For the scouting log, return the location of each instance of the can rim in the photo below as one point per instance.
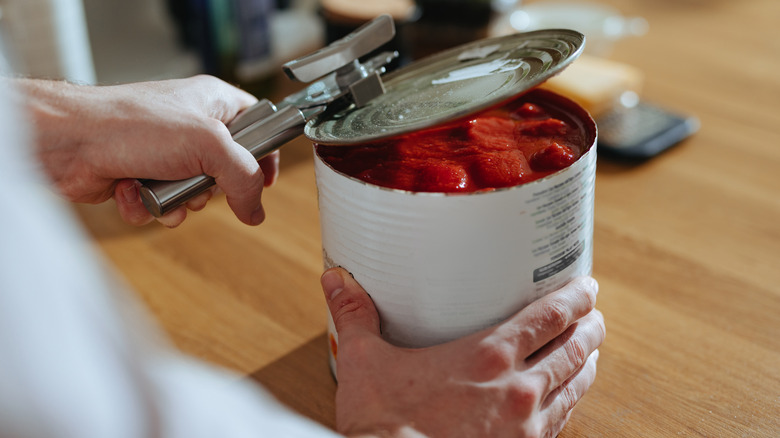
(451, 84)
(578, 113)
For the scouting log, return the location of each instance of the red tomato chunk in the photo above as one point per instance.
(513, 144)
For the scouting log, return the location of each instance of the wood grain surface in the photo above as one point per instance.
(687, 251)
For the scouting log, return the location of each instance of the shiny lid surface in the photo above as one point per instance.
(450, 85)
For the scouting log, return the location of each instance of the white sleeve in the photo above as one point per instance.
(78, 358)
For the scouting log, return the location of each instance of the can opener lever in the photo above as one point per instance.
(340, 79)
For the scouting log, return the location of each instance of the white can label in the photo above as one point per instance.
(439, 266)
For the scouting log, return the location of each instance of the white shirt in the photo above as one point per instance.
(78, 356)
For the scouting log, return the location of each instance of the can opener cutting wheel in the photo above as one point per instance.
(341, 81)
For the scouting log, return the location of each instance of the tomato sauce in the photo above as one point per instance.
(521, 141)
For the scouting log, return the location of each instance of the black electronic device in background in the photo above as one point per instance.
(642, 131)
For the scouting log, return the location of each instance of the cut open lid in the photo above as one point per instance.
(451, 84)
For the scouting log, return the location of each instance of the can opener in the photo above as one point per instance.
(341, 80)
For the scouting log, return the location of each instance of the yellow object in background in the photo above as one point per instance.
(597, 84)
(360, 11)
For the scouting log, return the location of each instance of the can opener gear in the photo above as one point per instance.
(341, 80)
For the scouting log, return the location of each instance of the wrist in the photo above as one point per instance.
(53, 108)
(62, 130)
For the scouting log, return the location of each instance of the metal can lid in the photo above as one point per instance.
(451, 84)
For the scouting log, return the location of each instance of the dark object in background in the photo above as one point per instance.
(642, 131)
(183, 13)
(448, 23)
(231, 37)
(341, 17)
(423, 28)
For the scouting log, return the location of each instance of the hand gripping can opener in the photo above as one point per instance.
(341, 81)
(349, 104)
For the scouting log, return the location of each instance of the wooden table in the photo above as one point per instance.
(687, 251)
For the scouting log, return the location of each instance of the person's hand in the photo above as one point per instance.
(95, 142)
(520, 378)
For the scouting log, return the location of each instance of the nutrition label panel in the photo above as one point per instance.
(562, 215)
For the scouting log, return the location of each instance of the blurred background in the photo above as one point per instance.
(246, 41)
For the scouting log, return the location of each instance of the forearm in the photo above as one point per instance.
(60, 128)
(50, 107)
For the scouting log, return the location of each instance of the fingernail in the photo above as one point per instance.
(332, 283)
(130, 193)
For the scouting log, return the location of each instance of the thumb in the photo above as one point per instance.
(350, 306)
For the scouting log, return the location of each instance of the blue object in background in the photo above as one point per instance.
(225, 33)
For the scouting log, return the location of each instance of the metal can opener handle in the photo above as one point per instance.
(263, 128)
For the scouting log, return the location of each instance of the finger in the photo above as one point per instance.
(556, 428)
(240, 176)
(350, 306)
(558, 405)
(173, 218)
(545, 319)
(270, 168)
(199, 202)
(128, 203)
(557, 361)
(243, 187)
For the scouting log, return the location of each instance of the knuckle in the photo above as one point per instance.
(589, 296)
(593, 327)
(576, 352)
(209, 137)
(493, 359)
(557, 314)
(568, 398)
(215, 132)
(523, 396)
(249, 179)
(205, 80)
(347, 310)
(585, 290)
